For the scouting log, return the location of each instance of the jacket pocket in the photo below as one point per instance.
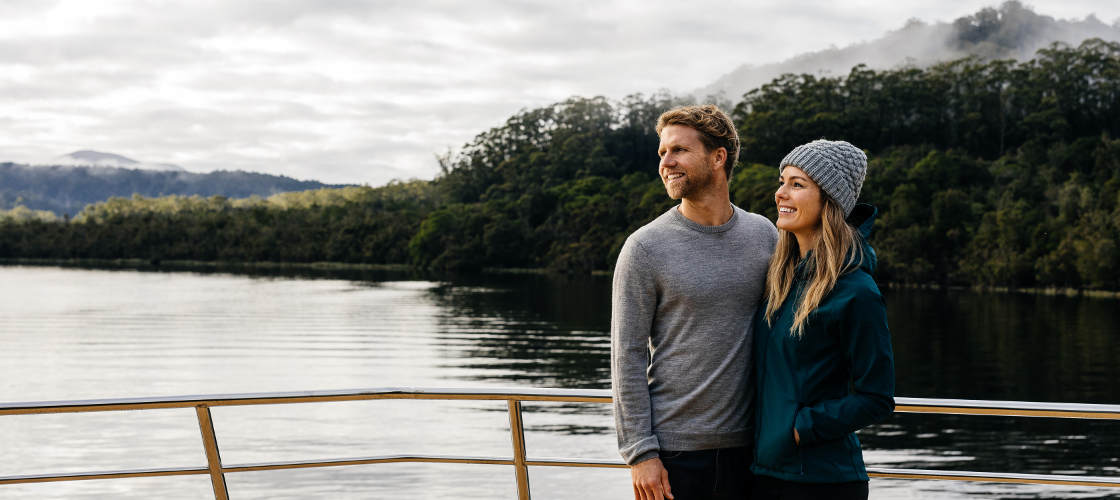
(776, 449)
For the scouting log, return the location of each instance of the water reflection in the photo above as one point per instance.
(960, 344)
(530, 329)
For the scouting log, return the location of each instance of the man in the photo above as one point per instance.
(685, 289)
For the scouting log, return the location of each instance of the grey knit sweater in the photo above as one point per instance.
(682, 302)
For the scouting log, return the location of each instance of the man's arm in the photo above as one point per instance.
(633, 305)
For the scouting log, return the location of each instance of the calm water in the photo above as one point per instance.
(83, 334)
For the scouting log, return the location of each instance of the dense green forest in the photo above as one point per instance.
(986, 173)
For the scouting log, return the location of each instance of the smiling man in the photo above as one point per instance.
(686, 286)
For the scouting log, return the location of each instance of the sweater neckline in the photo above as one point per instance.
(696, 226)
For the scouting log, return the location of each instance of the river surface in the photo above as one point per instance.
(69, 333)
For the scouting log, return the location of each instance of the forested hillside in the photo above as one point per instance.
(986, 172)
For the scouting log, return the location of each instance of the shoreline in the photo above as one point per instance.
(198, 265)
(208, 265)
(1044, 291)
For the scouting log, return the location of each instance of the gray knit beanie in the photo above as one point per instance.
(836, 166)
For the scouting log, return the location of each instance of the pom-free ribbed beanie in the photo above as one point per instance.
(836, 166)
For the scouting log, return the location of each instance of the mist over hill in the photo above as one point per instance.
(1011, 31)
(66, 189)
(89, 158)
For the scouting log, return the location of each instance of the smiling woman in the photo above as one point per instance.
(824, 366)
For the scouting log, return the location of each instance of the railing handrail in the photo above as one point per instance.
(902, 404)
(514, 397)
(266, 398)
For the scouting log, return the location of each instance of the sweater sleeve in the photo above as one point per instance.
(633, 304)
(871, 397)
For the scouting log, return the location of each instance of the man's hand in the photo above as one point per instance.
(796, 437)
(651, 480)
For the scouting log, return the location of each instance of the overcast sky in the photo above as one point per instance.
(348, 91)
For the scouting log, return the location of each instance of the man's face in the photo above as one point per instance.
(687, 167)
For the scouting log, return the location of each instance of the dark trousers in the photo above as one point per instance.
(719, 474)
(768, 488)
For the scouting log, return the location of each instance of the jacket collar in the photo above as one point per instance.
(863, 219)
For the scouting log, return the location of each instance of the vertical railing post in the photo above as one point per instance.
(517, 433)
(213, 458)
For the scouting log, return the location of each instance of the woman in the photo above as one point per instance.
(823, 361)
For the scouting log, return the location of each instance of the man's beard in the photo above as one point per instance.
(689, 187)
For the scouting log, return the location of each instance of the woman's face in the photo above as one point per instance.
(800, 203)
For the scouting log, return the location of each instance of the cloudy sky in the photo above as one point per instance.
(349, 91)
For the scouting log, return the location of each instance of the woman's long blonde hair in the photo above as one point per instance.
(837, 251)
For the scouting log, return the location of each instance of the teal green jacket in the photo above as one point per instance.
(835, 379)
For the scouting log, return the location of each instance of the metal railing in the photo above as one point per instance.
(520, 462)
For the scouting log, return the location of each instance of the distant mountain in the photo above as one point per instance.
(65, 189)
(1011, 31)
